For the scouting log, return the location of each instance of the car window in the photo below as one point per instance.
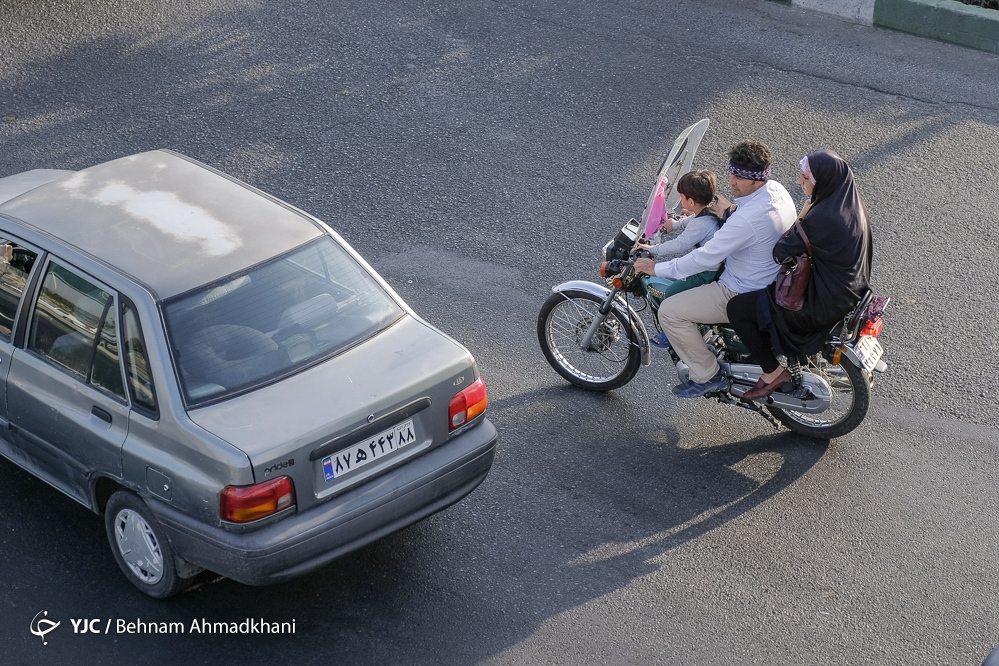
(75, 327)
(274, 319)
(310, 260)
(13, 277)
(106, 373)
(140, 379)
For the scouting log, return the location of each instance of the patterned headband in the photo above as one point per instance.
(749, 174)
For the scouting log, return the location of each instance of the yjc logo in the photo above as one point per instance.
(40, 627)
(83, 626)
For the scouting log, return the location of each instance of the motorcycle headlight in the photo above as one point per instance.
(606, 249)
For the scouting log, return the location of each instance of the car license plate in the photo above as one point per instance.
(869, 352)
(369, 450)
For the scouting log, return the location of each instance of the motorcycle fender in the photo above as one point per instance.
(851, 354)
(619, 304)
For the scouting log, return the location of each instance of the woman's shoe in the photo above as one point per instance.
(766, 389)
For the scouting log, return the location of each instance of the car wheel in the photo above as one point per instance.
(140, 547)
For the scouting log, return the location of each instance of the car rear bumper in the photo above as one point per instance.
(302, 543)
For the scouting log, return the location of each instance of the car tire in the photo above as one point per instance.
(140, 546)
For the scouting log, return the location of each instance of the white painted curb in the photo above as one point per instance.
(857, 11)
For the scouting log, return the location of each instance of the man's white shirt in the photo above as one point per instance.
(745, 242)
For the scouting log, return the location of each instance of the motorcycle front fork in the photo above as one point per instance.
(587, 341)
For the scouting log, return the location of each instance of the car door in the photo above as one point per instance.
(65, 391)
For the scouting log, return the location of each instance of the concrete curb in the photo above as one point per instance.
(944, 20)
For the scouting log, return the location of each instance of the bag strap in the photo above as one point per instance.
(804, 237)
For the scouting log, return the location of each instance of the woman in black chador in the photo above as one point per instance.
(836, 225)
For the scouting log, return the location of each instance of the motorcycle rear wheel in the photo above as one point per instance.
(615, 357)
(851, 397)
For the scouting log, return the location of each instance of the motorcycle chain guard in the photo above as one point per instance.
(814, 396)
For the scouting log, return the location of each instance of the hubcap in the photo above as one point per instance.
(138, 546)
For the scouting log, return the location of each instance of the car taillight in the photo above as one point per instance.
(244, 504)
(467, 404)
(872, 328)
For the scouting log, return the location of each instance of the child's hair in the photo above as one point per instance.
(698, 185)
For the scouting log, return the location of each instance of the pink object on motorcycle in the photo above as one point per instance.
(657, 211)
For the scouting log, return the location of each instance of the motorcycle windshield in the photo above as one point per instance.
(664, 198)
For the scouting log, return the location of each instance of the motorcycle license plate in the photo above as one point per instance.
(869, 351)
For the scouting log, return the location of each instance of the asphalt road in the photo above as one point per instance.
(478, 153)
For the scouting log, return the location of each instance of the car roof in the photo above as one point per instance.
(18, 184)
(166, 220)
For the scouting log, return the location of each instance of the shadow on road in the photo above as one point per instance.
(549, 531)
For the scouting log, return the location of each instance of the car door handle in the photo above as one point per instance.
(103, 415)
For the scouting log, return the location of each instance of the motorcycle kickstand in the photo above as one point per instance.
(726, 398)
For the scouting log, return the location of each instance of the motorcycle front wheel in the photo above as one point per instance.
(614, 355)
(851, 396)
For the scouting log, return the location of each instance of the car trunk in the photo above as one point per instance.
(351, 417)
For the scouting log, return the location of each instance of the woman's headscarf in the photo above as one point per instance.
(833, 186)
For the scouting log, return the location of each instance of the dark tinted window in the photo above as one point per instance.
(106, 373)
(74, 325)
(293, 311)
(140, 378)
(15, 266)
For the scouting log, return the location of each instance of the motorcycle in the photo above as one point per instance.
(594, 338)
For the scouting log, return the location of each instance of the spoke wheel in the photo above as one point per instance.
(141, 549)
(851, 397)
(614, 356)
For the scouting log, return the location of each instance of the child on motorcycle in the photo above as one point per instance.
(705, 211)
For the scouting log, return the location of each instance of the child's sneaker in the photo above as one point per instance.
(659, 340)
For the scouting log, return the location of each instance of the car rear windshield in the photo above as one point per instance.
(273, 320)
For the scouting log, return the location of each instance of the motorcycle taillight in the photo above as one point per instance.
(872, 327)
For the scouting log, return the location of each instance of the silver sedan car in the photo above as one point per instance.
(220, 374)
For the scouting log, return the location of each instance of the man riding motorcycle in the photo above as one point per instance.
(745, 243)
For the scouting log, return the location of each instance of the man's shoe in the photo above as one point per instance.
(763, 391)
(660, 340)
(696, 390)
